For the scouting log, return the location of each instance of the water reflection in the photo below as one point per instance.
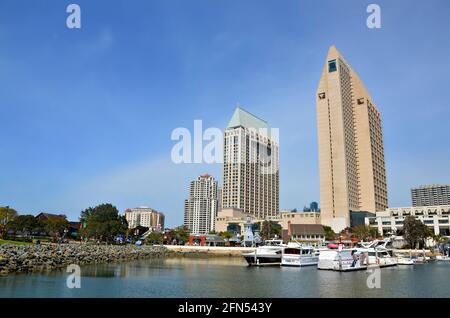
(227, 277)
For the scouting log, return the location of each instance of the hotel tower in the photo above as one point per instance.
(250, 166)
(350, 142)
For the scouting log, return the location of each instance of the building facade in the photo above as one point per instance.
(250, 166)
(235, 220)
(434, 194)
(146, 217)
(391, 220)
(200, 209)
(312, 234)
(350, 142)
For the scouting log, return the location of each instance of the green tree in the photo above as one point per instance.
(6, 215)
(362, 232)
(55, 226)
(181, 234)
(330, 235)
(226, 235)
(26, 224)
(155, 237)
(269, 229)
(414, 231)
(373, 231)
(103, 223)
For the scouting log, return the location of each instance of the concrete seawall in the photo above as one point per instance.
(210, 250)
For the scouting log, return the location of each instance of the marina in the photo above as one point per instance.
(337, 257)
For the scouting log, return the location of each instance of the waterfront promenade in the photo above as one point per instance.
(210, 250)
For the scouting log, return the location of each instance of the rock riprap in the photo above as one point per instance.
(35, 258)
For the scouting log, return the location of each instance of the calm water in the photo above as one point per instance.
(227, 277)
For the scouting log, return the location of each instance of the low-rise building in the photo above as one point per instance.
(304, 233)
(42, 217)
(391, 220)
(234, 220)
(298, 218)
(146, 217)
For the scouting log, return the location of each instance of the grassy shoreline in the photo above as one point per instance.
(10, 242)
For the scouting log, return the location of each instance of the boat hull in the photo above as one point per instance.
(297, 261)
(262, 260)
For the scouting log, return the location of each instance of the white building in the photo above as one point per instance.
(200, 209)
(250, 166)
(146, 217)
(391, 220)
(432, 194)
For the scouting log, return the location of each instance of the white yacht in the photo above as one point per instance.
(269, 254)
(352, 259)
(343, 260)
(297, 255)
(378, 253)
(381, 257)
(443, 258)
(404, 259)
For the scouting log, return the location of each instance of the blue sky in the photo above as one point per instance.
(87, 114)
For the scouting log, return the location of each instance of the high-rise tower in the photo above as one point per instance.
(250, 166)
(200, 209)
(350, 140)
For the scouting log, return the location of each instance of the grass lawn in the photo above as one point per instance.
(13, 242)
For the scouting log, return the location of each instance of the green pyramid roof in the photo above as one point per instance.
(245, 119)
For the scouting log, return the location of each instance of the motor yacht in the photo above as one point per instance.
(268, 254)
(351, 259)
(343, 260)
(299, 255)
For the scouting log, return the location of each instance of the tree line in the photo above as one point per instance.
(11, 223)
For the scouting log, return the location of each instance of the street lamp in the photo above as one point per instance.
(7, 210)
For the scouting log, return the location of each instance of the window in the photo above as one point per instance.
(332, 66)
(321, 95)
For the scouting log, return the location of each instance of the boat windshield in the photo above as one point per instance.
(294, 251)
(273, 242)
